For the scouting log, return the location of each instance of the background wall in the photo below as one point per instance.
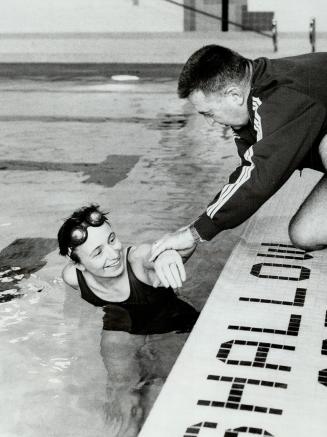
(294, 15)
(89, 16)
(150, 15)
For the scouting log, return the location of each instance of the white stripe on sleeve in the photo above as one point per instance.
(256, 102)
(229, 189)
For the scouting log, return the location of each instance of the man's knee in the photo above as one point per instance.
(295, 234)
(323, 151)
(303, 236)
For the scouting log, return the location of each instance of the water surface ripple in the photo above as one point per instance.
(62, 375)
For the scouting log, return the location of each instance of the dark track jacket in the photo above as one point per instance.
(288, 118)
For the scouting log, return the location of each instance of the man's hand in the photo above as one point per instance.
(179, 240)
(170, 270)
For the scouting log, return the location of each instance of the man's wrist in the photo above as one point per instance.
(196, 236)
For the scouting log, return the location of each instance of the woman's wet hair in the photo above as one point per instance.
(211, 69)
(78, 218)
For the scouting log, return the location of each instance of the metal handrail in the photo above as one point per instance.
(312, 34)
(274, 35)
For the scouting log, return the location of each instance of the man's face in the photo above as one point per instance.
(227, 108)
(102, 252)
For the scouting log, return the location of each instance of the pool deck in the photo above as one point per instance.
(28, 116)
(255, 357)
(32, 54)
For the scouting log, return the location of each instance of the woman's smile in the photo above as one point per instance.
(113, 263)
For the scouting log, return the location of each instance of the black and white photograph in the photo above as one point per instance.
(163, 250)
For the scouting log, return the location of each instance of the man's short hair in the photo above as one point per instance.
(76, 219)
(210, 69)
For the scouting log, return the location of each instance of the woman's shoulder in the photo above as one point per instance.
(69, 275)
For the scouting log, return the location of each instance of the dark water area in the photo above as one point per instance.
(85, 72)
(160, 312)
(107, 173)
(18, 261)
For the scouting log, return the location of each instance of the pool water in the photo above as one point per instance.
(141, 153)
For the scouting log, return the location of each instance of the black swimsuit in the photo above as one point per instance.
(147, 310)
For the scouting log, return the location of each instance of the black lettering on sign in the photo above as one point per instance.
(285, 251)
(293, 327)
(324, 347)
(303, 272)
(322, 378)
(260, 356)
(298, 301)
(194, 430)
(236, 392)
(246, 431)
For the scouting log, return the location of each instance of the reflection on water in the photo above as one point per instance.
(169, 122)
(64, 374)
(121, 356)
(137, 367)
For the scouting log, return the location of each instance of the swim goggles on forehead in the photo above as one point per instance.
(78, 235)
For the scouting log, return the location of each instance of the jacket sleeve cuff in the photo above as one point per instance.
(205, 227)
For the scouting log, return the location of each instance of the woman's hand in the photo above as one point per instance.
(170, 269)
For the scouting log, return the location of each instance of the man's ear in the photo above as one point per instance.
(236, 93)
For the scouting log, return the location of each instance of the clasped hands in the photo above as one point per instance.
(169, 269)
(168, 263)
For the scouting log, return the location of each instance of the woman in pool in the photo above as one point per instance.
(122, 280)
(126, 285)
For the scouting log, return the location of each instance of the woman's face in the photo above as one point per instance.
(102, 252)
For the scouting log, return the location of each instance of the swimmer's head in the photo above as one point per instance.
(88, 239)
